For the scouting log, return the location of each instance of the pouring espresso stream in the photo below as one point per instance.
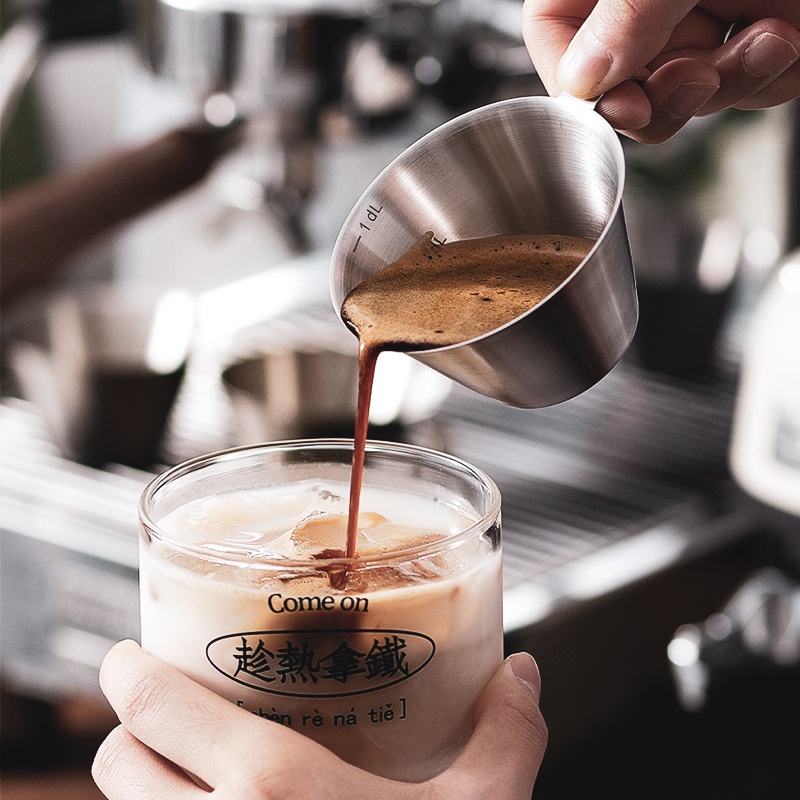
(438, 295)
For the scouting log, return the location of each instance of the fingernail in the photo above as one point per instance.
(768, 53)
(684, 100)
(584, 65)
(524, 667)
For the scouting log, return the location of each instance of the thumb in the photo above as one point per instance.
(617, 39)
(503, 755)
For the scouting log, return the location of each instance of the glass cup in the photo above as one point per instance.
(244, 587)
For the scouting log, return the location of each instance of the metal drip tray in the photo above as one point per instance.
(597, 493)
(620, 483)
(69, 554)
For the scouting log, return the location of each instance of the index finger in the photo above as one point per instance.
(589, 46)
(548, 27)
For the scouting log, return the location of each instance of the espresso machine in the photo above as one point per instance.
(312, 78)
(299, 81)
(617, 501)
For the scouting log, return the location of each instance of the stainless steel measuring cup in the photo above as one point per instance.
(527, 165)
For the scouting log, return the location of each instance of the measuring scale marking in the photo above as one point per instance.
(372, 216)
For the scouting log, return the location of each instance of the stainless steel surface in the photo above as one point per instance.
(92, 358)
(69, 560)
(258, 60)
(284, 395)
(528, 165)
(261, 53)
(604, 491)
(269, 56)
(314, 76)
(759, 625)
(300, 379)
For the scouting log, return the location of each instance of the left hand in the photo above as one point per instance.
(171, 724)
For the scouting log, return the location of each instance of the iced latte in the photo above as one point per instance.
(246, 587)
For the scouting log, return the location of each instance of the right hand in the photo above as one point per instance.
(657, 63)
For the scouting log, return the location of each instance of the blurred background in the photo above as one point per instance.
(174, 175)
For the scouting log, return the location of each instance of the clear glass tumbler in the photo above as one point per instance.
(245, 587)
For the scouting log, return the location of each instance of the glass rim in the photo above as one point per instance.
(490, 516)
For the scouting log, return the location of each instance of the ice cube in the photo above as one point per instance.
(320, 531)
(369, 519)
(385, 537)
(236, 517)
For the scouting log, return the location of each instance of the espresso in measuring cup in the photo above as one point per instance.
(441, 295)
(438, 295)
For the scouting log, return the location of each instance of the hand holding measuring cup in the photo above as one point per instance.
(659, 63)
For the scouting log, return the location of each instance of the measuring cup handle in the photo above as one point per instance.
(589, 104)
